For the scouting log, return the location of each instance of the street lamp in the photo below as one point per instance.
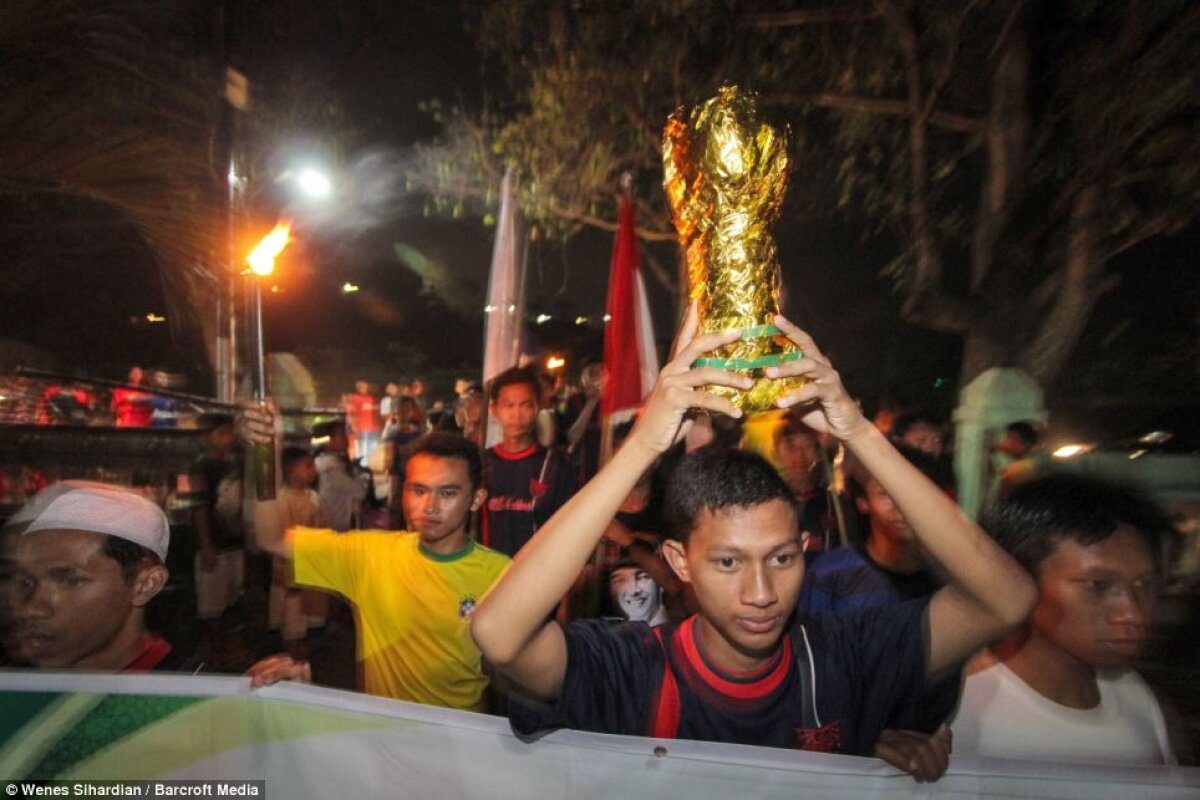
(314, 183)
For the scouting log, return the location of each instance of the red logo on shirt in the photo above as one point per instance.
(820, 740)
(537, 488)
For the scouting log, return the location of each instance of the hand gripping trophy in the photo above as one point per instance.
(725, 174)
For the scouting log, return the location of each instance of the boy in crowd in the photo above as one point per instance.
(339, 491)
(1062, 687)
(742, 670)
(217, 522)
(888, 567)
(292, 610)
(413, 591)
(920, 430)
(526, 482)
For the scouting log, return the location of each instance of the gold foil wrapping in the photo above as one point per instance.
(725, 174)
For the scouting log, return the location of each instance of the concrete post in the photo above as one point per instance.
(987, 404)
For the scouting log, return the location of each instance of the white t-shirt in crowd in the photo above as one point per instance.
(1001, 716)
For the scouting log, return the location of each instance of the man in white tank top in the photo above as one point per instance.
(1062, 688)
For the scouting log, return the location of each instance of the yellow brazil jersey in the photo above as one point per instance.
(413, 609)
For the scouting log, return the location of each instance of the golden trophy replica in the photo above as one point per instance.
(725, 174)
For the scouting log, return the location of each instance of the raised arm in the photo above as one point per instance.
(989, 593)
(510, 624)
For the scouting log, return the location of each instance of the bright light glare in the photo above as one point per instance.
(1068, 450)
(314, 184)
(581, 320)
(152, 317)
(608, 317)
(555, 362)
(543, 319)
(349, 288)
(262, 257)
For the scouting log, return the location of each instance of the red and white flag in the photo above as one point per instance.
(630, 357)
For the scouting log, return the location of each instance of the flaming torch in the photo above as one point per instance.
(262, 257)
(262, 263)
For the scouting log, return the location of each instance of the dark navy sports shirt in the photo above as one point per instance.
(846, 579)
(866, 673)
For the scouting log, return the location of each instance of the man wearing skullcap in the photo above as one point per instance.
(85, 561)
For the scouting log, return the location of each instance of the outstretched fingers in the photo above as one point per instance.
(801, 339)
(687, 329)
(697, 346)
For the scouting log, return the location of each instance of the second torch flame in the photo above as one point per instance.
(262, 257)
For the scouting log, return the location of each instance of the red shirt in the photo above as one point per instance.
(363, 413)
(156, 650)
(133, 408)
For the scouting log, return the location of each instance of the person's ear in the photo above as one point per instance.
(478, 498)
(148, 583)
(676, 555)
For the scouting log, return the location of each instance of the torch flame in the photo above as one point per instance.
(262, 257)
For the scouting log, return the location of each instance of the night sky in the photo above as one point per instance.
(84, 306)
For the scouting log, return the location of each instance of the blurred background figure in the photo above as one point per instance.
(362, 413)
(340, 491)
(293, 610)
(65, 405)
(1018, 457)
(469, 415)
(583, 422)
(795, 451)
(920, 430)
(132, 407)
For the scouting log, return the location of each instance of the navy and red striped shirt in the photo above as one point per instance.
(834, 685)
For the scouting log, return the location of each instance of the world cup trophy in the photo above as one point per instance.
(725, 174)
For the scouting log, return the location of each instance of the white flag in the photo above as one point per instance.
(505, 309)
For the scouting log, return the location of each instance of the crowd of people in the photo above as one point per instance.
(802, 579)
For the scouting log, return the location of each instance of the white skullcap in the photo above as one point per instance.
(96, 507)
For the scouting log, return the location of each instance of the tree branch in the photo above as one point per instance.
(645, 234)
(948, 120)
(1154, 226)
(811, 16)
(947, 71)
(938, 311)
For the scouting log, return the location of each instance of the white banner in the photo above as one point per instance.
(307, 741)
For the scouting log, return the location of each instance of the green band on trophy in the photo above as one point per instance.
(761, 362)
(760, 332)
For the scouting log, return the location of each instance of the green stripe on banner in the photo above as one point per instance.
(215, 726)
(112, 719)
(17, 708)
(748, 363)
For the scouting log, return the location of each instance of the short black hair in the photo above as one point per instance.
(1025, 431)
(328, 428)
(512, 376)
(910, 419)
(129, 555)
(445, 444)
(211, 420)
(290, 455)
(858, 476)
(715, 478)
(1032, 519)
